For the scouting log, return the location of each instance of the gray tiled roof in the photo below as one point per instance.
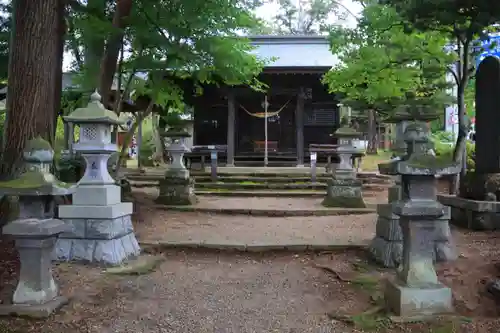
(294, 51)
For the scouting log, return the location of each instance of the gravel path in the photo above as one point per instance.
(181, 227)
(172, 227)
(200, 292)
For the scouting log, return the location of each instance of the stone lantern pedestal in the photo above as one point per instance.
(102, 224)
(416, 292)
(35, 233)
(344, 189)
(387, 246)
(177, 187)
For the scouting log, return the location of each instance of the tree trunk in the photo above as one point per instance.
(58, 69)
(459, 154)
(32, 78)
(372, 133)
(113, 45)
(94, 45)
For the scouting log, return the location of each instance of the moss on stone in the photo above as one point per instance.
(36, 144)
(344, 202)
(33, 180)
(346, 132)
(429, 161)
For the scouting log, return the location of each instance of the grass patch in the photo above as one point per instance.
(140, 266)
(366, 283)
(371, 162)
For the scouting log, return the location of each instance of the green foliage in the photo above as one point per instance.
(171, 41)
(382, 67)
(443, 143)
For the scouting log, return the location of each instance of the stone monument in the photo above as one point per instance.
(477, 206)
(343, 189)
(177, 187)
(35, 232)
(387, 246)
(102, 224)
(416, 292)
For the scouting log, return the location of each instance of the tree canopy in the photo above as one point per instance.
(466, 23)
(381, 66)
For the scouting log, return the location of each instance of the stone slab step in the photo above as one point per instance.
(299, 179)
(270, 193)
(232, 187)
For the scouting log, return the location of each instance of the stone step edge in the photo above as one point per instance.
(271, 212)
(257, 248)
(270, 194)
(265, 194)
(235, 186)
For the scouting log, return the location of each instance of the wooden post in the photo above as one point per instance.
(299, 122)
(139, 143)
(213, 164)
(231, 120)
(313, 166)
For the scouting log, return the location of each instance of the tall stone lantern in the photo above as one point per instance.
(343, 189)
(35, 232)
(386, 247)
(416, 292)
(102, 224)
(177, 187)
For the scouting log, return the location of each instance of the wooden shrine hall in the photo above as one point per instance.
(300, 111)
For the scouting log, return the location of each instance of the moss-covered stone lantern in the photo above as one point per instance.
(424, 224)
(35, 231)
(343, 189)
(177, 188)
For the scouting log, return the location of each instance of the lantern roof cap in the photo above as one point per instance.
(94, 112)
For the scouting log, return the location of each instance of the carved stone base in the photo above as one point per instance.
(176, 192)
(344, 193)
(387, 246)
(418, 303)
(103, 241)
(472, 214)
(37, 311)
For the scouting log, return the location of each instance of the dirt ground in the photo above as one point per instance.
(197, 292)
(216, 292)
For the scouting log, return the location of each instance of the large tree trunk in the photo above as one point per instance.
(372, 133)
(113, 45)
(33, 79)
(94, 45)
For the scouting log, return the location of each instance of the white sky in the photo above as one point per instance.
(266, 12)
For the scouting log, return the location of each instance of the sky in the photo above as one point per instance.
(265, 12)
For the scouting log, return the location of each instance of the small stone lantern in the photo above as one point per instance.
(35, 232)
(177, 188)
(417, 292)
(95, 139)
(102, 225)
(343, 189)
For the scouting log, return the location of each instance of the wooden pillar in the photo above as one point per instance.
(139, 144)
(231, 120)
(299, 123)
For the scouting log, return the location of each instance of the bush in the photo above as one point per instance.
(446, 150)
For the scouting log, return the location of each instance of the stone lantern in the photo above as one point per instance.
(35, 232)
(177, 187)
(387, 246)
(102, 224)
(416, 292)
(343, 189)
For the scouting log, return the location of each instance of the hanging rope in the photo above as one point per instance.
(262, 115)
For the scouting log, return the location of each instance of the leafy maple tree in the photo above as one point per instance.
(382, 68)
(466, 23)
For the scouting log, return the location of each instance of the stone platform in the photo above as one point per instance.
(472, 214)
